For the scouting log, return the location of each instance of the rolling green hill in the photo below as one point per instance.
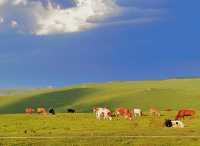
(163, 94)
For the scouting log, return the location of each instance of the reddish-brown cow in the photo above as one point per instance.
(29, 110)
(185, 112)
(126, 113)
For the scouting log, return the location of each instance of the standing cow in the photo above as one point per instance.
(52, 111)
(137, 112)
(41, 110)
(154, 112)
(103, 112)
(29, 110)
(125, 112)
(70, 110)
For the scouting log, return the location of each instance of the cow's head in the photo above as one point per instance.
(95, 109)
(178, 116)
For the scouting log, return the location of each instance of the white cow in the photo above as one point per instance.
(103, 112)
(177, 124)
(137, 112)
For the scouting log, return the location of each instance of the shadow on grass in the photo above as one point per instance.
(55, 99)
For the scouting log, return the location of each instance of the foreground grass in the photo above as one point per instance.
(84, 129)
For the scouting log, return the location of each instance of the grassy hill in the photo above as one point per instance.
(163, 94)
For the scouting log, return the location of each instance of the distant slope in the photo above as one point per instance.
(163, 94)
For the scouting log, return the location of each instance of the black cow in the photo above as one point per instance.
(71, 110)
(168, 123)
(52, 111)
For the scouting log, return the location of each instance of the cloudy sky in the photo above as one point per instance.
(66, 42)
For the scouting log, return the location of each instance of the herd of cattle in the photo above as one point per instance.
(106, 113)
(42, 110)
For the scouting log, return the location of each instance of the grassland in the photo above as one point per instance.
(163, 94)
(83, 129)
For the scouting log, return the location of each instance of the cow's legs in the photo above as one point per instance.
(105, 117)
(117, 115)
(108, 117)
(98, 115)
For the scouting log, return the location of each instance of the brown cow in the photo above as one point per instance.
(126, 113)
(185, 112)
(41, 110)
(154, 112)
(29, 110)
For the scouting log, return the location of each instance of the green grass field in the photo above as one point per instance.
(84, 129)
(164, 94)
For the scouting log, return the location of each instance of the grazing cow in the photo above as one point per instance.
(174, 124)
(154, 112)
(29, 110)
(41, 110)
(137, 112)
(52, 111)
(185, 112)
(103, 112)
(126, 113)
(71, 110)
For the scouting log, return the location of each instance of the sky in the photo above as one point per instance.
(68, 42)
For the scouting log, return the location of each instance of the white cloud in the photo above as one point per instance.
(73, 19)
(44, 17)
(2, 2)
(35, 17)
(18, 2)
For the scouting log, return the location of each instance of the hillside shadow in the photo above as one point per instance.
(55, 99)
